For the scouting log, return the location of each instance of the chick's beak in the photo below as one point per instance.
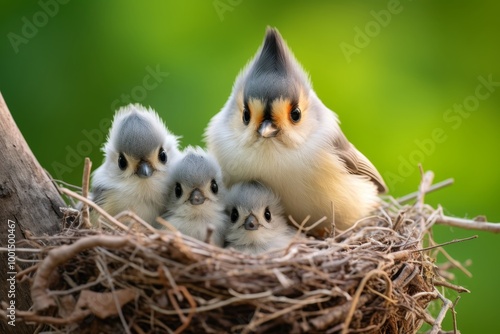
(196, 197)
(251, 223)
(144, 169)
(267, 129)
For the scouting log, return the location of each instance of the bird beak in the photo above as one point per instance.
(251, 223)
(267, 129)
(144, 169)
(196, 197)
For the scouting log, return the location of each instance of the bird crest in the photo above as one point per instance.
(274, 72)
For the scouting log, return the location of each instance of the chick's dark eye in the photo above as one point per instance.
(246, 116)
(122, 162)
(295, 115)
(178, 190)
(267, 214)
(234, 215)
(162, 155)
(214, 187)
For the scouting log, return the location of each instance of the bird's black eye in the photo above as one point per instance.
(214, 187)
(234, 215)
(162, 155)
(246, 116)
(267, 214)
(122, 162)
(295, 115)
(178, 190)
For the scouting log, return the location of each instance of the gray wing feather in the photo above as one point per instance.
(357, 163)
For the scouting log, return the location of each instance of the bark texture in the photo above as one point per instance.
(30, 200)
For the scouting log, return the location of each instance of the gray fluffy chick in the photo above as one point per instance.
(256, 219)
(195, 197)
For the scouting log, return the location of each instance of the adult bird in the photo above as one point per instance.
(275, 129)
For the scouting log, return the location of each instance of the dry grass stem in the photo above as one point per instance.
(434, 187)
(85, 192)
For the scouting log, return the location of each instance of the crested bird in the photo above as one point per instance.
(274, 128)
(138, 156)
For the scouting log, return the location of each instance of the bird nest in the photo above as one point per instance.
(379, 276)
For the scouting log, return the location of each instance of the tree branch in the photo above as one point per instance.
(468, 224)
(29, 202)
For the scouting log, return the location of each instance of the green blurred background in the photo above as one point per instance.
(65, 66)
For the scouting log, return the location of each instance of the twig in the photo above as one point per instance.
(185, 320)
(39, 291)
(75, 317)
(449, 285)
(26, 271)
(404, 254)
(454, 241)
(199, 309)
(432, 188)
(167, 279)
(447, 265)
(455, 263)
(166, 224)
(249, 296)
(85, 191)
(136, 218)
(359, 290)
(253, 325)
(313, 226)
(301, 227)
(447, 304)
(454, 315)
(95, 207)
(469, 224)
(58, 183)
(424, 187)
(26, 250)
(115, 298)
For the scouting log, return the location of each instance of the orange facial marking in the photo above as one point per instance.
(256, 107)
(281, 111)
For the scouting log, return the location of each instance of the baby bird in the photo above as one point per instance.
(257, 222)
(139, 153)
(195, 197)
(275, 129)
